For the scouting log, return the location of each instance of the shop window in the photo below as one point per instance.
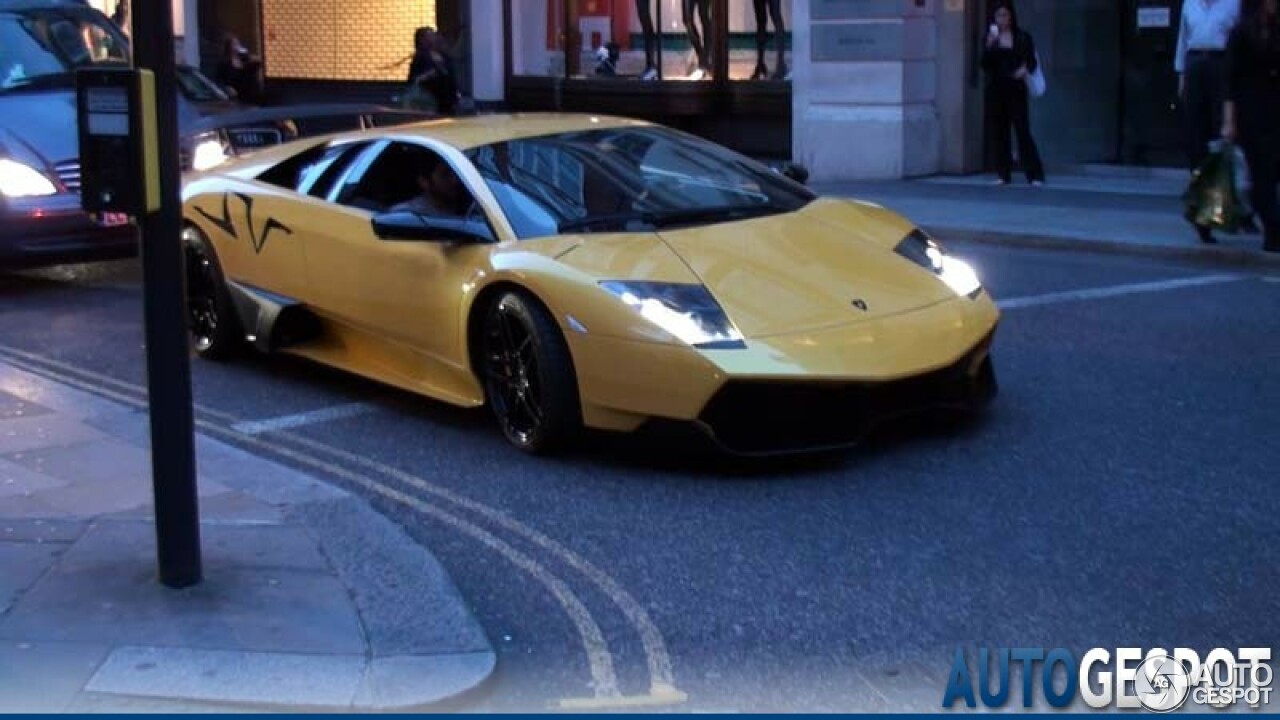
(649, 40)
(370, 40)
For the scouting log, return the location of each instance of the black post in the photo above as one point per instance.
(164, 298)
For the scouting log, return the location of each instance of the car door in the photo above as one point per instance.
(398, 299)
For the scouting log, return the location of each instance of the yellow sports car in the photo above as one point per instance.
(577, 270)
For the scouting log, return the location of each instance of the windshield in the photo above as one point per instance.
(198, 88)
(623, 179)
(43, 45)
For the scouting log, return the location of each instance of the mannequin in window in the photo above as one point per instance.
(766, 9)
(700, 40)
(645, 13)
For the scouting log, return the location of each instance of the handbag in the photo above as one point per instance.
(1213, 197)
(1035, 80)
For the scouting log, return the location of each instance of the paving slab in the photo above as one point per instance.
(55, 530)
(274, 601)
(12, 406)
(272, 483)
(231, 676)
(17, 479)
(225, 508)
(99, 461)
(21, 434)
(21, 565)
(42, 677)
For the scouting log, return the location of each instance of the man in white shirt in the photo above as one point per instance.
(1200, 62)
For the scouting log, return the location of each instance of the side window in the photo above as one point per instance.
(410, 178)
(317, 178)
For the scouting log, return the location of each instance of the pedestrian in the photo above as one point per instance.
(120, 16)
(1251, 112)
(433, 83)
(1008, 59)
(239, 70)
(1200, 63)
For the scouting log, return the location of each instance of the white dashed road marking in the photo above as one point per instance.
(285, 422)
(1114, 291)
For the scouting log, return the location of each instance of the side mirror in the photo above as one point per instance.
(425, 228)
(795, 171)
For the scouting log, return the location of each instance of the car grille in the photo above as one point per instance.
(69, 174)
(762, 417)
(254, 137)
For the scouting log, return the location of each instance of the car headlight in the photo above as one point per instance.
(208, 152)
(19, 180)
(686, 310)
(924, 251)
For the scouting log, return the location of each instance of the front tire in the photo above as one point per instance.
(211, 317)
(528, 375)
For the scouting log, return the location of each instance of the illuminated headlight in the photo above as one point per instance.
(18, 180)
(686, 310)
(924, 251)
(208, 152)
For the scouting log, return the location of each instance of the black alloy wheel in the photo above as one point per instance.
(528, 375)
(211, 319)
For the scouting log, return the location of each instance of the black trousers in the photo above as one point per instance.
(645, 13)
(701, 41)
(1206, 80)
(1007, 105)
(1263, 157)
(766, 9)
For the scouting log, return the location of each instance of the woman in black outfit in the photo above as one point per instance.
(1251, 114)
(431, 71)
(1009, 56)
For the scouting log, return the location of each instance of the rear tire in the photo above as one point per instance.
(212, 323)
(528, 375)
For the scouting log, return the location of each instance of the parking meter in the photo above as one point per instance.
(119, 142)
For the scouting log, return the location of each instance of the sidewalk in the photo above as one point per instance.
(310, 599)
(1100, 212)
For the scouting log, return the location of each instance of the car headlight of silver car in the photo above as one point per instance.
(208, 150)
(924, 251)
(20, 180)
(686, 310)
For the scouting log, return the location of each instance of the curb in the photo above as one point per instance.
(1203, 254)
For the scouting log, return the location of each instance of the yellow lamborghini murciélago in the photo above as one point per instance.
(575, 270)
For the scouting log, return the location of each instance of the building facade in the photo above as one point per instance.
(850, 88)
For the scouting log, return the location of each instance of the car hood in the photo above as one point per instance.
(823, 266)
(827, 265)
(43, 122)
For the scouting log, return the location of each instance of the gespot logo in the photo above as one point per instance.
(1159, 681)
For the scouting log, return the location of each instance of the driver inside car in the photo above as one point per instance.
(442, 193)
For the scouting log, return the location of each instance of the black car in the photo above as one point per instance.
(42, 44)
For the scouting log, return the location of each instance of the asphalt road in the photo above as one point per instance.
(1122, 491)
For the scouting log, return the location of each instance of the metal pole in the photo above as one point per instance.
(164, 298)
